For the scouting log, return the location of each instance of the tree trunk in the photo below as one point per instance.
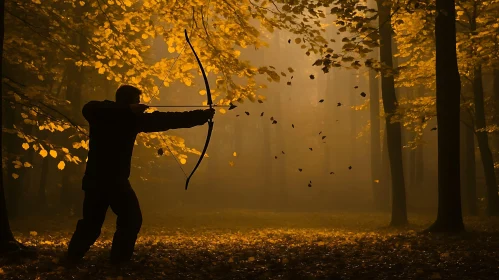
(483, 144)
(449, 217)
(375, 140)
(6, 235)
(468, 164)
(393, 130)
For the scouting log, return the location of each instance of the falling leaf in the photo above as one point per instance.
(433, 129)
(363, 94)
(43, 153)
(25, 146)
(260, 101)
(231, 163)
(323, 137)
(312, 77)
(299, 169)
(27, 164)
(234, 154)
(331, 173)
(282, 152)
(183, 161)
(339, 104)
(247, 113)
(15, 176)
(261, 115)
(310, 149)
(376, 181)
(320, 133)
(289, 41)
(251, 259)
(231, 260)
(275, 157)
(237, 116)
(356, 87)
(292, 77)
(61, 165)
(271, 118)
(350, 167)
(160, 151)
(288, 83)
(232, 106)
(292, 125)
(222, 111)
(53, 153)
(322, 100)
(33, 233)
(274, 122)
(309, 185)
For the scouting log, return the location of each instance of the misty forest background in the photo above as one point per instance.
(336, 113)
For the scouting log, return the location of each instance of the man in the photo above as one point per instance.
(113, 129)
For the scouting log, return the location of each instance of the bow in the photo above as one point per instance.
(210, 104)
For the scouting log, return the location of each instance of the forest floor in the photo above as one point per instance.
(267, 245)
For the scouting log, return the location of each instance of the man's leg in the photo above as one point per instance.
(125, 205)
(88, 229)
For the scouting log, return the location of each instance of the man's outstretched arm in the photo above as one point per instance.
(162, 121)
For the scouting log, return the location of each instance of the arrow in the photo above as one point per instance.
(199, 106)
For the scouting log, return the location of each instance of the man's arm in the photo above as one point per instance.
(104, 111)
(162, 121)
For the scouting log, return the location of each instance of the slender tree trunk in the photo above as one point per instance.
(6, 235)
(399, 208)
(8, 243)
(483, 144)
(375, 139)
(468, 164)
(449, 217)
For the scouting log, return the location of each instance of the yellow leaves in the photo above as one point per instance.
(202, 92)
(231, 260)
(40, 77)
(222, 111)
(82, 3)
(61, 165)
(27, 164)
(234, 154)
(36, 1)
(251, 259)
(376, 181)
(146, 98)
(231, 163)
(97, 64)
(43, 153)
(33, 233)
(17, 164)
(183, 161)
(145, 36)
(111, 63)
(53, 153)
(102, 70)
(15, 176)
(127, 3)
(25, 146)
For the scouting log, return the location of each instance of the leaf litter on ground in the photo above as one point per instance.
(244, 244)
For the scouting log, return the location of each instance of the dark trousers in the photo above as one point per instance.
(124, 203)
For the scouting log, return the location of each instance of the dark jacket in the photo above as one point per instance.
(113, 129)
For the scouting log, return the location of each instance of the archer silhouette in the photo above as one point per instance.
(113, 129)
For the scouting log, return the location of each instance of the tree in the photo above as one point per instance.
(448, 84)
(393, 129)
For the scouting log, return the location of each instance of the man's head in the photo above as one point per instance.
(127, 94)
